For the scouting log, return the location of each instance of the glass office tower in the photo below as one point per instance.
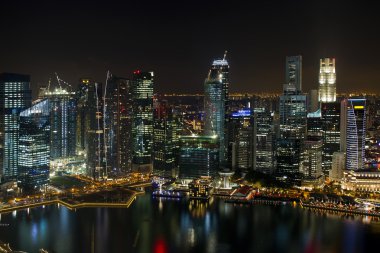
(34, 146)
(15, 96)
(216, 103)
(142, 120)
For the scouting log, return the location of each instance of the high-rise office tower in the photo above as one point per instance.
(82, 115)
(89, 131)
(34, 146)
(95, 132)
(264, 141)
(327, 80)
(198, 156)
(216, 103)
(293, 113)
(293, 72)
(118, 124)
(62, 122)
(331, 133)
(165, 138)
(15, 96)
(314, 124)
(312, 101)
(142, 120)
(312, 158)
(240, 135)
(353, 131)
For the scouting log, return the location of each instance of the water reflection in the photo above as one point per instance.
(165, 225)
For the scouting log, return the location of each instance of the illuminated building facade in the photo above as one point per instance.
(62, 123)
(312, 158)
(331, 113)
(15, 96)
(327, 80)
(293, 71)
(240, 133)
(353, 135)
(142, 120)
(200, 188)
(198, 156)
(165, 138)
(216, 103)
(118, 124)
(293, 121)
(264, 141)
(34, 146)
(362, 180)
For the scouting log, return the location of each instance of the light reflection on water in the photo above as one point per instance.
(187, 226)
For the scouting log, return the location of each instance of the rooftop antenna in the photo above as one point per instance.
(59, 83)
(48, 88)
(225, 55)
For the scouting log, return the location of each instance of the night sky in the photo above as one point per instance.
(179, 39)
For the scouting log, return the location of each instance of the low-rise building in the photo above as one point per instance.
(361, 180)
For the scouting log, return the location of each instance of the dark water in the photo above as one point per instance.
(152, 225)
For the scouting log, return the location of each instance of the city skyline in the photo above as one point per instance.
(86, 39)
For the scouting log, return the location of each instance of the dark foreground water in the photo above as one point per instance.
(156, 225)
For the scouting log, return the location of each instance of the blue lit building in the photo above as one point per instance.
(34, 146)
(142, 120)
(353, 132)
(15, 96)
(216, 103)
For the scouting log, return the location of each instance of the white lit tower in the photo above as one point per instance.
(327, 80)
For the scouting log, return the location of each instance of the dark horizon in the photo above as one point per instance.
(179, 42)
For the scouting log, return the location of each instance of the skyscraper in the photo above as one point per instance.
(353, 132)
(327, 80)
(83, 122)
(293, 113)
(62, 122)
(264, 141)
(293, 71)
(118, 124)
(165, 138)
(240, 134)
(89, 133)
(34, 146)
(95, 132)
(331, 133)
(15, 96)
(216, 103)
(142, 120)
